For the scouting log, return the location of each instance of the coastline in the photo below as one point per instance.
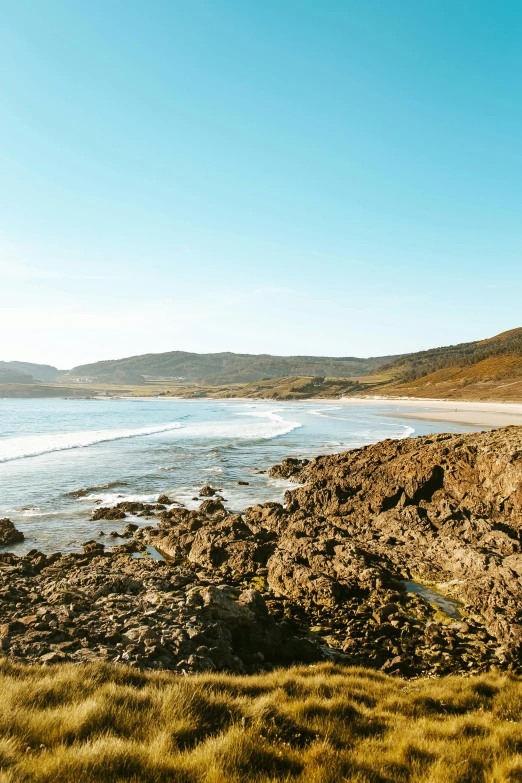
(480, 414)
(468, 413)
(475, 414)
(208, 589)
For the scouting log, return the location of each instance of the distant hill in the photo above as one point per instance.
(39, 372)
(8, 375)
(222, 368)
(489, 369)
(484, 369)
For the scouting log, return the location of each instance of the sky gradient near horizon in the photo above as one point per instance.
(292, 177)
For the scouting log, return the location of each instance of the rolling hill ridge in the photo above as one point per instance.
(487, 369)
(220, 368)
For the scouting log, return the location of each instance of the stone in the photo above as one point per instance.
(128, 530)
(207, 491)
(93, 548)
(53, 657)
(9, 534)
(211, 507)
(12, 628)
(103, 512)
(384, 612)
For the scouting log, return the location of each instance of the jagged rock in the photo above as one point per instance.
(207, 491)
(93, 547)
(9, 534)
(129, 530)
(446, 507)
(288, 468)
(132, 506)
(105, 512)
(211, 507)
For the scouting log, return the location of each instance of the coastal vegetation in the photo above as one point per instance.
(505, 348)
(484, 370)
(317, 724)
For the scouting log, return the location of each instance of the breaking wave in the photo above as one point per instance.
(36, 445)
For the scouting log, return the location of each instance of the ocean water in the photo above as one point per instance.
(136, 449)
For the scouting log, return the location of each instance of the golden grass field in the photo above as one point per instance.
(322, 724)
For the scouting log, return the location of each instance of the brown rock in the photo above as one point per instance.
(12, 628)
(108, 513)
(9, 534)
(211, 507)
(93, 547)
(207, 491)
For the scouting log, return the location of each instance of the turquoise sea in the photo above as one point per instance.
(118, 449)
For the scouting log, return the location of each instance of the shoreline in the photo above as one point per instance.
(479, 414)
(467, 413)
(473, 414)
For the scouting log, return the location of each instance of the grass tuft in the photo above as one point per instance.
(317, 724)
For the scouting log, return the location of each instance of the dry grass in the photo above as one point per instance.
(495, 379)
(319, 724)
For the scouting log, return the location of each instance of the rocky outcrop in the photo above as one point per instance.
(325, 575)
(143, 612)
(9, 534)
(446, 509)
(207, 491)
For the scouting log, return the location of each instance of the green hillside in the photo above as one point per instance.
(8, 375)
(221, 368)
(39, 372)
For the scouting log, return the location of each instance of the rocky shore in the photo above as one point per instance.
(326, 576)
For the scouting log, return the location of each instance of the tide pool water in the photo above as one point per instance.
(59, 459)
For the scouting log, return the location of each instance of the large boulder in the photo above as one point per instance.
(9, 534)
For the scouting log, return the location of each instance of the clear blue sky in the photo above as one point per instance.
(284, 176)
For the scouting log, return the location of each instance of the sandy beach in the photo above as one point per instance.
(475, 414)
(479, 414)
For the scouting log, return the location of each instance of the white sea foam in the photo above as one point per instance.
(272, 427)
(36, 445)
(111, 498)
